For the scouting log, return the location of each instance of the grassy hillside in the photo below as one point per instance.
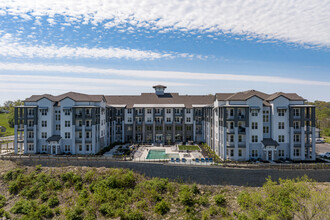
(4, 123)
(102, 193)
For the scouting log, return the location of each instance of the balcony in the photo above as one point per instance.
(230, 130)
(230, 144)
(241, 117)
(242, 144)
(241, 130)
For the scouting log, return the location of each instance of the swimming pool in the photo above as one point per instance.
(160, 154)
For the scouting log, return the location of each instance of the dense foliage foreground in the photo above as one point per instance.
(102, 193)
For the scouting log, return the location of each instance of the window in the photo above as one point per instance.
(129, 119)
(31, 134)
(67, 112)
(177, 119)
(296, 112)
(30, 123)
(67, 124)
(43, 148)
(57, 117)
(58, 127)
(31, 147)
(157, 111)
(149, 111)
(188, 119)
(177, 111)
(88, 135)
(87, 111)
(296, 124)
(67, 148)
(281, 125)
(266, 129)
(231, 112)
(80, 134)
(87, 147)
(148, 119)
(296, 152)
(168, 119)
(67, 135)
(178, 128)
(168, 111)
(281, 153)
(231, 152)
(168, 128)
(281, 112)
(80, 123)
(239, 152)
(296, 138)
(149, 128)
(254, 153)
(80, 147)
(254, 112)
(254, 125)
(43, 123)
(43, 111)
(129, 111)
(188, 111)
(254, 138)
(43, 134)
(281, 138)
(240, 139)
(231, 138)
(231, 125)
(188, 127)
(159, 128)
(265, 118)
(129, 128)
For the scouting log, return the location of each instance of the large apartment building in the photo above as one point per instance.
(237, 126)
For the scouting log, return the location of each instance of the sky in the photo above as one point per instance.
(193, 47)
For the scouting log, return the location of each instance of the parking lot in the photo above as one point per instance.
(322, 148)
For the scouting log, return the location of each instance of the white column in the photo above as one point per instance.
(25, 139)
(73, 147)
(35, 139)
(236, 143)
(15, 139)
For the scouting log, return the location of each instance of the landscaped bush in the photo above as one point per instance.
(53, 201)
(186, 196)
(162, 207)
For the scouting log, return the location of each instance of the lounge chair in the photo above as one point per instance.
(177, 160)
(206, 159)
(202, 160)
(211, 160)
(184, 160)
(197, 160)
(172, 159)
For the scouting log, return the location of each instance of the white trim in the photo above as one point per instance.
(158, 105)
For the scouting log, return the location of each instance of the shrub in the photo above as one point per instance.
(195, 189)
(133, 215)
(44, 196)
(23, 207)
(186, 197)
(74, 214)
(5, 214)
(12, 174)
(162, 207)
(53, 201)
(106, 209)
(45, 211)
(2, 201)
(220, 199)
(203, 200)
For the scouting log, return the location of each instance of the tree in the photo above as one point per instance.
(11, 107)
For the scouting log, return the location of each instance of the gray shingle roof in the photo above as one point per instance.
(168, 98)
(290, 96)
(78, 97)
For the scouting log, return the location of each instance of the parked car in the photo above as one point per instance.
(319, 140)
(325, 155)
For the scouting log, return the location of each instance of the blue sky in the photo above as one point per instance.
(193, 47)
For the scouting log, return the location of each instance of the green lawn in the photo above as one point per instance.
(4, 123)
(188, 147)
(327, 139)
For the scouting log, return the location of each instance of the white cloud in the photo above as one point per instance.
(153, 74)
(300, 21)
(12, 47)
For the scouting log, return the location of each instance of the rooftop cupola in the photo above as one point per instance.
(159, 89)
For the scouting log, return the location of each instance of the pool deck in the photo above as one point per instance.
(143, 151)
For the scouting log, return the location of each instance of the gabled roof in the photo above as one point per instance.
(78, 97)
(223, 96)
(167, 98)
(290, 96)
(241, 96)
